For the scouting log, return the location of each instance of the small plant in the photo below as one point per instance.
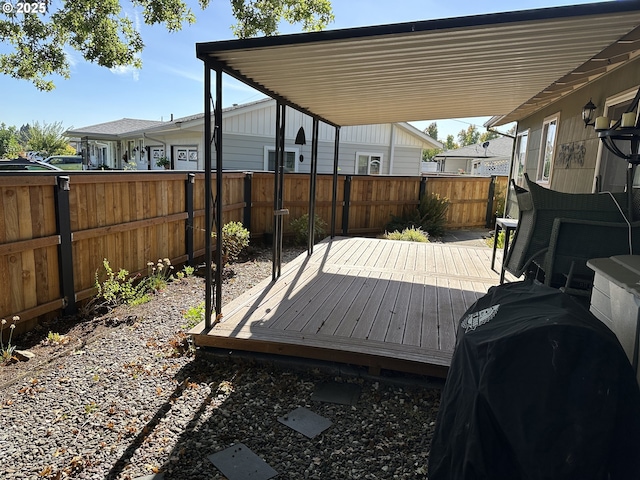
(54, 338)
(499, 199)
(193, 316)
(163, 162)
(300, 228)
(499, 240)
(159, 274)
(429, 216)
(6, 351)
(235, 238)
(188, 270)
(412, 234)
(119, 288)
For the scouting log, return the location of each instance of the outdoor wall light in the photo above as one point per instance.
(622, 137)
(587, 114)
(301, 138)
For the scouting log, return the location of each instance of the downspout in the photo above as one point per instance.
(501, 133)
(392, 149)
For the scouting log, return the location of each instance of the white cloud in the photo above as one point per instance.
(72, 56)
(184, 73)
(126, 70)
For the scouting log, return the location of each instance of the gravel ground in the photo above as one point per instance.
(125, 398)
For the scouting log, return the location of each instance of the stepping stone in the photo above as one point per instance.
(334, 392)
(155, 476)
(306, 422)
(238, 462)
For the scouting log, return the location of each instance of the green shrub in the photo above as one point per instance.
(235, 238)
(300, 229)
(194, 315)
(499, 239)
(412, 234)
(499, 199)
(120, 288)
(429, 216)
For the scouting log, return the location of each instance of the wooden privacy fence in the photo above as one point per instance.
(55, 230)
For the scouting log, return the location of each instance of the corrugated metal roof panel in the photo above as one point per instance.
(470, 66)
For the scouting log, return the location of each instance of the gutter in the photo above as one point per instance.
(489, 129)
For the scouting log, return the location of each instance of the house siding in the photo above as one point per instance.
(248, 129)
(576, 173)
(407, 161)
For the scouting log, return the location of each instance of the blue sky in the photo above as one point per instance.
(171, 79)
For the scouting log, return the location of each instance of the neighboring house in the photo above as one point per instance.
(492, 157)
(249, 143)
(102, 144)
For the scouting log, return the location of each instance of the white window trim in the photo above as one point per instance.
(516, 154)
(610, 102)
(188, 148)
(268, 148)
(540, 166)
(369, 154)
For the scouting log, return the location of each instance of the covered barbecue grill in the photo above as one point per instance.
(538, 389)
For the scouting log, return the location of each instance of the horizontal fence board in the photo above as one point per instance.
(132, 218)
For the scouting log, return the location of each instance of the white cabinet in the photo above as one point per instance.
(615, 300)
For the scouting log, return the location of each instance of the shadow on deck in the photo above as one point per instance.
(368, 302)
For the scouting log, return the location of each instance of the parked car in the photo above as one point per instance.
(65, 162)
(24, 164)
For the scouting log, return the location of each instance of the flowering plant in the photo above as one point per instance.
(6, 351)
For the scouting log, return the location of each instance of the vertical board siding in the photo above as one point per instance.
(29, 272)
(131, 218)
(467, 199)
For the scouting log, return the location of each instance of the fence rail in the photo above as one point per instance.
(56, 230)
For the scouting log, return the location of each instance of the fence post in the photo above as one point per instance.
(423, 188)
(246, 216)
(188, 191)
(345, 206)
(65, 250)
(492, 190)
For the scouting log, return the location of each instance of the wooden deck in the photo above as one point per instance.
(377, 303)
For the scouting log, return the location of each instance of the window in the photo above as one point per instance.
(520, 160)
(368, 163)
(611, 173)
(547, 148)
(290, 156)
(187, 154)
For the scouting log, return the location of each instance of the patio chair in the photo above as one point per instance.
(539, 208)
(573, 242)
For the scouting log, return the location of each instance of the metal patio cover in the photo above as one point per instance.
(506, 64)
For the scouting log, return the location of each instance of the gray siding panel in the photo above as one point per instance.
(406, 161)
(576, 176)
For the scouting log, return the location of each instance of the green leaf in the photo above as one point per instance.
(104, 34)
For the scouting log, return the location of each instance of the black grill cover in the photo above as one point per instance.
(538, 389)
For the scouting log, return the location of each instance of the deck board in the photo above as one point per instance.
(378, 303)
